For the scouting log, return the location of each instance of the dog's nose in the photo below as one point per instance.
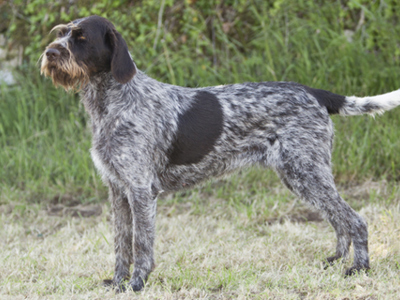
(52, 54)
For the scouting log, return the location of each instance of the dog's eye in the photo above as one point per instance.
(79, 35)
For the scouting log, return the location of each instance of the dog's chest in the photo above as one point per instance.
(100, 152)
(103, 166)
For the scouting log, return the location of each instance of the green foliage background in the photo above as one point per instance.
(348, 47)
(224, 41)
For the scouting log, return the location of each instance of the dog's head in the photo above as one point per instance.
(84, 48)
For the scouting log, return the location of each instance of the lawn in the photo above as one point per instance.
(228, 239)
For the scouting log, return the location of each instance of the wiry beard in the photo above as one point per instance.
(65, 71)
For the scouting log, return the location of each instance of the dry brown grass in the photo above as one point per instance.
(208, 248)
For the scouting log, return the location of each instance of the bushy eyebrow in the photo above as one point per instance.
(60, 27)
(65, 27)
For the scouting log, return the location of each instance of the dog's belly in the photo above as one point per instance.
(176, 177)
(241, 144)
(216, 164)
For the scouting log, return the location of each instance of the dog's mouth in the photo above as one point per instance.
(64, 72)
(51, 68)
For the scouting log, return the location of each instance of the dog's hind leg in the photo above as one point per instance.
(309, 176)
(343, 243)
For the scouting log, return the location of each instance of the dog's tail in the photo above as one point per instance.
(352, 105)
(370, 105)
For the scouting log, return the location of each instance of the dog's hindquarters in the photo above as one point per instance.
(318, 189)
(304, 167)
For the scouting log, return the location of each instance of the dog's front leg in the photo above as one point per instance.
(143, 205)
(123, 233)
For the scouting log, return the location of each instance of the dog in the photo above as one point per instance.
(151, 137)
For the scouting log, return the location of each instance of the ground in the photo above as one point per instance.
(206, 248)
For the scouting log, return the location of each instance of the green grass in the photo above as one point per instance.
(44, 140)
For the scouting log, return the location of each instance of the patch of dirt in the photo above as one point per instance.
(83, 211)
(362, 191)
(6, 209)
(65, 199)
(70, 205)
(302, 216)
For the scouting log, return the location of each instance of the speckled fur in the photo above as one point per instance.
(279, 125)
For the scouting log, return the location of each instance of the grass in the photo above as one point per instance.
(219, 252)
(45, 141)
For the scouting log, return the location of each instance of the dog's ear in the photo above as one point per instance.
(122, 66)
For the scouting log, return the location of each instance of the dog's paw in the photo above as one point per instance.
(111, 284)
(330, 261)
(136, 284)
(354, 270)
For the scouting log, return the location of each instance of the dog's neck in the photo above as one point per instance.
(94, 95)
(141, 97)
(104, 95)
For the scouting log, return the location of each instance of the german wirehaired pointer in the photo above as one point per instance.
(150, 137)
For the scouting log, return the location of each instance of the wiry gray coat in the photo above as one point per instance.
(150, 137)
